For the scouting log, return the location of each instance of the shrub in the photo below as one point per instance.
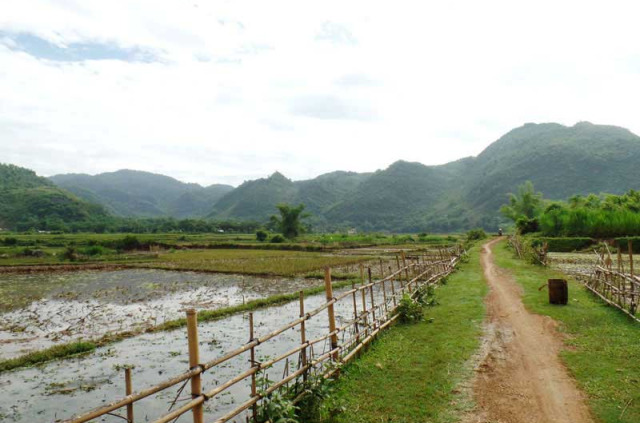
(70, 254)
(476, 234)
(527, 225)
(409, 310)
(261, 235)
(426, 295)
(564, 245)
(31, 252)
(10, 241)
(277, 239)
(94, 250)
(128, 243)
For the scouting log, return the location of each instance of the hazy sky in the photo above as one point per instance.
(224, 91)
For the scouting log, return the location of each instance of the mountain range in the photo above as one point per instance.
(560, 160)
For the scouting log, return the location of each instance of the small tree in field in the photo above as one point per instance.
(290, 220)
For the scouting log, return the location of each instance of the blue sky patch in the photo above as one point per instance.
(75, 52)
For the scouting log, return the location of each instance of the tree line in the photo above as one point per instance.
(596, 216)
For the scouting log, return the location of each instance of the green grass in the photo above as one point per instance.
(412, 372)
(254, 262)
(59, 351)
(603, 351)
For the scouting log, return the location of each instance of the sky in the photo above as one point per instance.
(227, 91)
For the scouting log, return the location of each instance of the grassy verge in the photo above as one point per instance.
(412, 372)
(74, 348)
(604, 345)
(59, 351)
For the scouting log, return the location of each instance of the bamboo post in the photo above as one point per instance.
(406, 270)
(381, 269)
(393, 289)
(373, 304)
(630, 247)
(632, 306)
(332, 317)
(384, 297)
(128, 391)
(194, 361)
(303, 336)
(619, 260)
(254, 390)
(364, 299)
(355, 310)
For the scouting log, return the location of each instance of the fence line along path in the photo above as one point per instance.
(370, 307)
(618, 287)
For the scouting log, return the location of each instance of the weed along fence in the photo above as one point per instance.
(617, 286)
(289, 360)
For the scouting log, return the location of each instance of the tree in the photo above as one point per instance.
(290, 221)
(526, 204)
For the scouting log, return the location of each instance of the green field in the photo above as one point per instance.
(252, 262)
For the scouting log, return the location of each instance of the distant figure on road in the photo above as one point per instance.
(499, 231)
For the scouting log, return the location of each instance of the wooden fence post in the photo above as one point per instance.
(373, 304)
(381, 269)
(194, 361)
(355, 311)
(364, 301)
(303, 336)
(393, 289)
(254, 390)
(406, 270)
(332, 317)
(630, 247)
(128, 391)
(633, 306)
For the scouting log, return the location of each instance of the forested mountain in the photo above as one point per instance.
(133, 193)
(30, 201)
(561, 161)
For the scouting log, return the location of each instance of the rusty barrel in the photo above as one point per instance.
(558, 291)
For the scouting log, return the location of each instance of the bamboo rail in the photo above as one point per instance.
(356, 332)
(615, 287)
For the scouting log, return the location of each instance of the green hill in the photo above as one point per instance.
(132, 193)
(561, 161)
(29, 201)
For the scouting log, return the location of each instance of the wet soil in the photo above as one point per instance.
(520, 378)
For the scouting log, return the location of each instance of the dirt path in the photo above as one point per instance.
(520, 378)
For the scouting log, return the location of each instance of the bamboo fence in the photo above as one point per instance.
(369, 317)
(618, 287)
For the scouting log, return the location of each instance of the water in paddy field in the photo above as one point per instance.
(60, 389)
(45, 309)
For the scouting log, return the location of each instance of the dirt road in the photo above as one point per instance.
(520, 378)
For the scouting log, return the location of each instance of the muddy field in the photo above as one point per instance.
(45, 309)
(581, 264)
(60, 389)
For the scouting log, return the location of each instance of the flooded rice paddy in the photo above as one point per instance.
(45, 309)
(60, 389)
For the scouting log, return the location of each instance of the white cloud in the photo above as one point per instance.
(240, 89)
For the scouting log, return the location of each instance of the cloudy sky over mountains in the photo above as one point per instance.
(224, 91)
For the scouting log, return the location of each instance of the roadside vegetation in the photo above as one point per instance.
(602, 353)
(415, 372)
